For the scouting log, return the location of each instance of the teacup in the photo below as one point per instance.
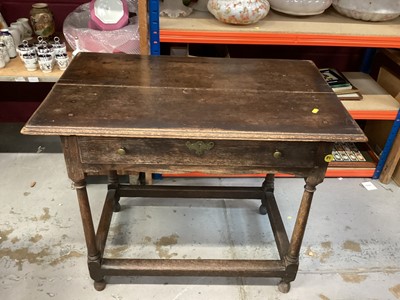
(62, 61)
(30, 61)
(25, 48)
(46, 62)
(59, 47)
(44, 48)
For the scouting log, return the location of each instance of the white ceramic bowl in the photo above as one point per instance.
(371, 10)
(300, 7)
(238, 11)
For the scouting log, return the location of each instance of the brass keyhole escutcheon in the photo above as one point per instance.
(329, 158)
(121, 151)
(199, 147)
(277, 154)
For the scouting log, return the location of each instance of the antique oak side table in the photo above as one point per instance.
(118, 113)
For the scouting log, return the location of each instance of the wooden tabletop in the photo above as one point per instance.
(188, 97)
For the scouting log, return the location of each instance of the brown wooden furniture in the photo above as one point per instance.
(119, 113)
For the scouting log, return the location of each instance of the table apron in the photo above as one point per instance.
(175, 154)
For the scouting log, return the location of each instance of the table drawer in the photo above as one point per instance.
(180, 152)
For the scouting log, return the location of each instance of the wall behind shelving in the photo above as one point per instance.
(342, 58)
(345, 59)
(12, 10)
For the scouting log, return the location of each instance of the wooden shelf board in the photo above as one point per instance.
(376, 104)
(329, 29)
(16, 71)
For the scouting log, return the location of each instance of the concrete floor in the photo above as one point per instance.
(351, 249)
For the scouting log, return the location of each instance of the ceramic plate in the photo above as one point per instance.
(372, 10)
(300, 7)
(109, 11)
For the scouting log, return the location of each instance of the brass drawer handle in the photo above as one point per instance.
(121, 151)
(278, 154)
(199, 147)
(328, 158)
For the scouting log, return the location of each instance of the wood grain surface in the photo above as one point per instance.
(119, 95)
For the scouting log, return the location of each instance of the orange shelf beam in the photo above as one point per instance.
(254, 38)
(368, 173)
(373, 115)
(331, 172)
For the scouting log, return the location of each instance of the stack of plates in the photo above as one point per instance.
(371, 10)
(300, 7)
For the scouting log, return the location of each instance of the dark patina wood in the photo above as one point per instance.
(120, 113)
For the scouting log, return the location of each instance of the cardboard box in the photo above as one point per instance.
(396, 175)
(391, 83)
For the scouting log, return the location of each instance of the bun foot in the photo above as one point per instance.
(100, 285)
(117, 207)
(262, 210)
(284, 287)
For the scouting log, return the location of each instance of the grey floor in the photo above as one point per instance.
(351, 249)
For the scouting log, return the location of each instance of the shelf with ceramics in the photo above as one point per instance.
(32, 56)
(329, 29)
(16, 71)
(37, 63)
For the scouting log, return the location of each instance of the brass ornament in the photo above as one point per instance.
(199, 147)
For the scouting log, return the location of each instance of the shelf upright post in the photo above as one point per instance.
(388, 146)
(143, 27)
(367, 60)
(154, 20)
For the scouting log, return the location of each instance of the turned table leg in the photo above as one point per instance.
(113, 183)
(94, 256)
(292, 257)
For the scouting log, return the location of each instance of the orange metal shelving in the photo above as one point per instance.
(373, 115)
(331, 172)
(251, 38)
(327, 29)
